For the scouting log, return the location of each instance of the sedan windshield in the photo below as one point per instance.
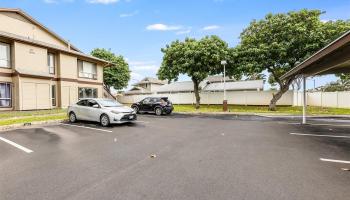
(109, 103)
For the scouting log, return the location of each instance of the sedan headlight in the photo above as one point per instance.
(115, 112)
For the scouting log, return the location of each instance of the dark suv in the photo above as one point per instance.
(158, 105)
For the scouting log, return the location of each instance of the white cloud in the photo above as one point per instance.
(123, 15)
(58, 1)
(163, 27)
(103, 1)
(143, 66)
(325, 20)
(141, 69)
(212, 27)
(50, 1)
(184, 31)
(135, 77)
(138, 63)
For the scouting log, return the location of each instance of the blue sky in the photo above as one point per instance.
(138, 29)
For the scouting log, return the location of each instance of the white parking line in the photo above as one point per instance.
(16, 145)
(335, 161)
(296, 123)
(97, 129)
(315, 135)
(339, 125)
(145, 122)
(291, 123)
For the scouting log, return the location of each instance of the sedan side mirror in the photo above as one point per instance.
(96, 106)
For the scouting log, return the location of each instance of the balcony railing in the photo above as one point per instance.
(87, 75)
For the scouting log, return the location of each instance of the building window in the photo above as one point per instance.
(5, 95)
(87, 93)
(4, 55)
(51, 62)
(87, 70)
(53, 95)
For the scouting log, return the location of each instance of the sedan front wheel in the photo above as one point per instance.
(72, 117)
(104, 120)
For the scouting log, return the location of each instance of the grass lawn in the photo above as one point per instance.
(21, 117)
(23, 120)
(264, 109)
(15, 114)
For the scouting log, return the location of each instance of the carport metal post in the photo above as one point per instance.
(304, 99)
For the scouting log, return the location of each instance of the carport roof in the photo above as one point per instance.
(333, 58)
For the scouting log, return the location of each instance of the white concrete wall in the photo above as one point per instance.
(233, 97)
(324, 99)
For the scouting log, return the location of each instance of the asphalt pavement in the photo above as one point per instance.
(179, 157)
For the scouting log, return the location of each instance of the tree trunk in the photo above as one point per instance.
(196, 93)
(283, 89)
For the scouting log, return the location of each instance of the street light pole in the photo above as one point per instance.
(225, 82)
(224, 62)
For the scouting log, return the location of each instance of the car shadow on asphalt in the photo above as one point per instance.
(98, 125)
(36, 134)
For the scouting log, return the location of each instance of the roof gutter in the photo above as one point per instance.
(50, 46)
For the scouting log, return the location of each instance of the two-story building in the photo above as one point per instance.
(147, 85)
(39, 69)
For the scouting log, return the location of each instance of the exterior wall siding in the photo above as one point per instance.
(29, 73)
(67, 66)
(16, 24)
(31, 80)
(30, 59)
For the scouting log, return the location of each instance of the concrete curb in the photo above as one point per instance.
(25, 125)
(300, 116)
(213, 113)
(261, 114)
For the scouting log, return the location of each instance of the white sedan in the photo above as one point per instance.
(105, 111)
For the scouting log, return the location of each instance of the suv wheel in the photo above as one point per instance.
(72, 117)
(158, 111)
(104, 120)
(136, 109)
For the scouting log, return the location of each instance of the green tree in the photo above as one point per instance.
(279, 42)
(255, 76)
(344, 79)
(196, 58)
(117, 75)
(343, 84)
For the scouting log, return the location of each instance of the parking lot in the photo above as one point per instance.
(179, 157)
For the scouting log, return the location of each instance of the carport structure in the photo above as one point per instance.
(332, 59)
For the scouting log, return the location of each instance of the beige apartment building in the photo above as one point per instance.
(39, 69)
